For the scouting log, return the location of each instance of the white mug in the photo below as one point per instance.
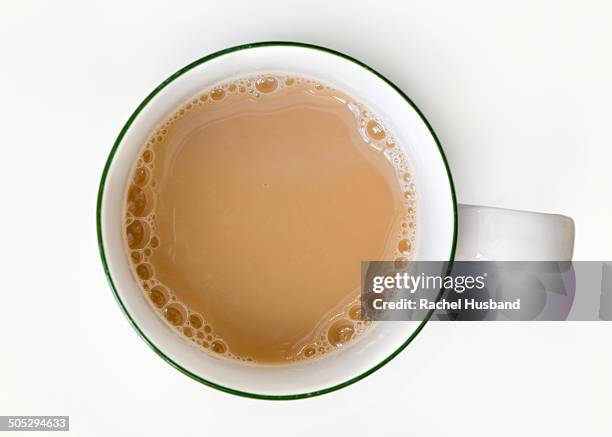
(484, 233)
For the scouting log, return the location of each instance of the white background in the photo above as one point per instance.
(520, 96)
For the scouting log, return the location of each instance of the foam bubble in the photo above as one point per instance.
(340, 332)
(218, 347)
(137, 234)
(144, 271)
(159, 296)
(175, 313)
(401, 262)
(195, 320)
(141, 177)
(148, 156)
(139, 201)
(266, 84)
(309, 351)
(217, 94)
(404, 246)
(355, 312)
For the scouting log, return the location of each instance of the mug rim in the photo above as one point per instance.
(102, 252)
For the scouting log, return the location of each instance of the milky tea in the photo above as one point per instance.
(250, 209)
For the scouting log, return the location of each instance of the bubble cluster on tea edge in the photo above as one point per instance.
(139, 228)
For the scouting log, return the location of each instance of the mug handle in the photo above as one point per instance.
(496, 234)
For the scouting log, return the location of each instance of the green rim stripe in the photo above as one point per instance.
(101, 244)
